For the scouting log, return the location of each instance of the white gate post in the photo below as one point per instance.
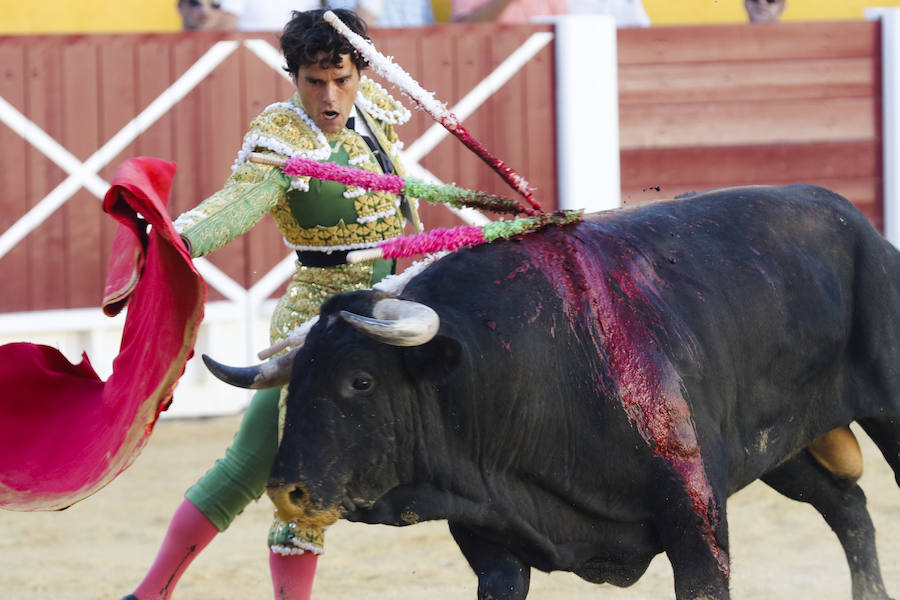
(890, 97)
(587, 112)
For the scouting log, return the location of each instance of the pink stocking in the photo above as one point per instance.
(292, 575)
(189, 532)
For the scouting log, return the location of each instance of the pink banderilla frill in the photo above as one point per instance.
(436, 240)
(440, 239)
(409, 186)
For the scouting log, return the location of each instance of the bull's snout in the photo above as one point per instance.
(292, 501)
(283, 496)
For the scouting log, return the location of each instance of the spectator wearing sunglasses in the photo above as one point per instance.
(764, 11)
(205, 14)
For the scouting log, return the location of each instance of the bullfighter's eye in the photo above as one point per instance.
(362, 384)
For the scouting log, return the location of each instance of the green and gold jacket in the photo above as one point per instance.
(312, 215)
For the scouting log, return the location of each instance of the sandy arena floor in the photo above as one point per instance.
(99, 548)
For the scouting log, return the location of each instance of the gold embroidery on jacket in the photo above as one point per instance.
(255, 189)
(281, 124)
(380, 206)
(342, 235)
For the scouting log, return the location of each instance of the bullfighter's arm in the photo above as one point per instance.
(250, 192)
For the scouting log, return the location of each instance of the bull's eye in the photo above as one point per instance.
(362, 384)
(358, 383)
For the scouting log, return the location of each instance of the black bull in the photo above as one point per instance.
(596, 391)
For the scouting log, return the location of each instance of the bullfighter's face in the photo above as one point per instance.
(328, 91)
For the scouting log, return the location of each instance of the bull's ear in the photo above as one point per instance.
(435, 360)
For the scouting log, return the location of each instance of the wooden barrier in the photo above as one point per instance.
(81, 90)
(700, 107)
(704, 107)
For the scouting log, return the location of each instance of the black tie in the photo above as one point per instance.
(386, 166)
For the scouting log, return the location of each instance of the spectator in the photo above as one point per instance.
(267, 15)
(205, 14)
(393, 13)
(627, 13)
(764, 11)
(506, 11)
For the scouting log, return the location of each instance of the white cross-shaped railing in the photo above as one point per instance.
(241, 305)
(85, 174)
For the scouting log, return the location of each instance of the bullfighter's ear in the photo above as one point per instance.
(435, 360)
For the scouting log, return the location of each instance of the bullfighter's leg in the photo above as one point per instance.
(217, 498)
(189, 532)
(885, 432)
(843, 505)
(501, 576)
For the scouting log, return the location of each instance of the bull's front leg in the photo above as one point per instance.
(694, 533)
(501, 576)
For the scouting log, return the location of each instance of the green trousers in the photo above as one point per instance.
(239, 477)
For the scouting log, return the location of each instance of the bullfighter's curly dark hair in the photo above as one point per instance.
(307, 35)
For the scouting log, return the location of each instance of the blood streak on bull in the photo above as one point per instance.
(613, 290)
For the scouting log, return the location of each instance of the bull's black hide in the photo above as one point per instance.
(597, 391)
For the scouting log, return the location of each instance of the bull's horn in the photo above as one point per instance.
(275, 372)
(397, 322)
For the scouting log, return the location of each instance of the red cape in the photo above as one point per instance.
(64, 433)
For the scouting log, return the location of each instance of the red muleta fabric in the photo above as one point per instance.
(64, 433)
